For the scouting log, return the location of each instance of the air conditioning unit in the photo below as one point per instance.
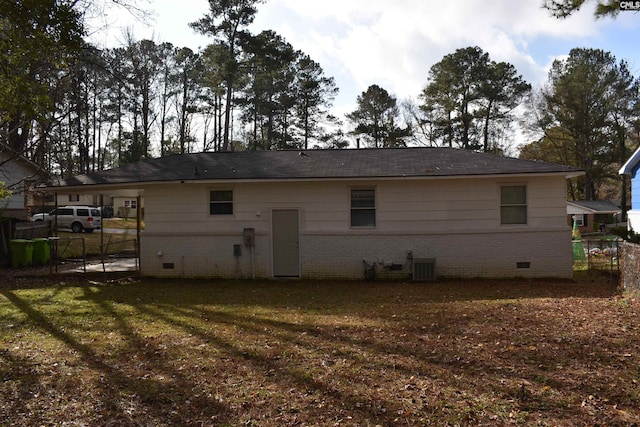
(424, 269)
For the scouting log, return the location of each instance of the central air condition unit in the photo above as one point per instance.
(424, 269)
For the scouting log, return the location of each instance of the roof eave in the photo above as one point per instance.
(95, 187)
(627, 168)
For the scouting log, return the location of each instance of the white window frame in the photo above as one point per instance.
(353, 209)
(130, 203)
(512, 205)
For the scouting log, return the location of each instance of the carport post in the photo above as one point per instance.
(138, 216)
(102, 254)
(55, 217)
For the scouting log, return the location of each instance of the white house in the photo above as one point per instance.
(330, 213)
(631, 168)
(589, 215)
(19, 175)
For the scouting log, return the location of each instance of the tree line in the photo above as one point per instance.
(85, 108)
(72, 107)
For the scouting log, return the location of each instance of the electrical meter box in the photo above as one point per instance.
(249, 236)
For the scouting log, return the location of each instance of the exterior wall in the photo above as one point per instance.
(119, 208)
(633, 215)
(14, 173)
(78, 200)
(456, 221)
(473, 254)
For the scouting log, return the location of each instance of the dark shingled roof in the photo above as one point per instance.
(597, 205)
(317, 164)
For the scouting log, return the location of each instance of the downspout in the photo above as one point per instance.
(55, 217)
(253, 264)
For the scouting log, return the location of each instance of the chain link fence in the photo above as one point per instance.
(597, 254)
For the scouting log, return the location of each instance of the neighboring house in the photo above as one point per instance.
(126, 207)
(48, 202)
(590, 215)
(631, 168)
(328, 213)
(19, 175)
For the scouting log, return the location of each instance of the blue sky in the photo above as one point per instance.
(394, 43)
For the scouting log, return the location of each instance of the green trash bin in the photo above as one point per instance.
(21, 253)
(41, 251)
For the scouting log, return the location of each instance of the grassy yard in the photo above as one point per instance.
(71, 244)
(272, 353)
(122, 223)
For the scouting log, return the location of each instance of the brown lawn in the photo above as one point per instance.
(268, 353)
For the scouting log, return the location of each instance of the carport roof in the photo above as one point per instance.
(316, 165)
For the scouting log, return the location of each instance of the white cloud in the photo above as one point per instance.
(394, 43)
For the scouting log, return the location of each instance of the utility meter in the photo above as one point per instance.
(249, 236)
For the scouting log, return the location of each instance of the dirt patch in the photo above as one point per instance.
(68, 272)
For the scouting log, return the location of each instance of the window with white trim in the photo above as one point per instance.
(131, 204)
(581, 220)
(513, 204)
(363, 208)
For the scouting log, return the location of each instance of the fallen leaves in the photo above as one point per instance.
(453, 353)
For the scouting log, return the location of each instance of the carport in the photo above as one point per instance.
(106, 264)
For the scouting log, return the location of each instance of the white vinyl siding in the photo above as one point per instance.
(434, 206)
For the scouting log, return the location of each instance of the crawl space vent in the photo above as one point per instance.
(424, 269)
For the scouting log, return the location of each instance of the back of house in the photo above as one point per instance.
(346, 213)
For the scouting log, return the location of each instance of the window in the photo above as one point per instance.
(363, 208)
(131, 204)
(581, 220)
(74, 197)
(221, 202)
(513, 204)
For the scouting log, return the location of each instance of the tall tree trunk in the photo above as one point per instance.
(485, 132)
(18, 134)
(227, 114)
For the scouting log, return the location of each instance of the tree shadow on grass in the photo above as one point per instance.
(347, 295)
(295, 352)
(122, 393)
(383, 341)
